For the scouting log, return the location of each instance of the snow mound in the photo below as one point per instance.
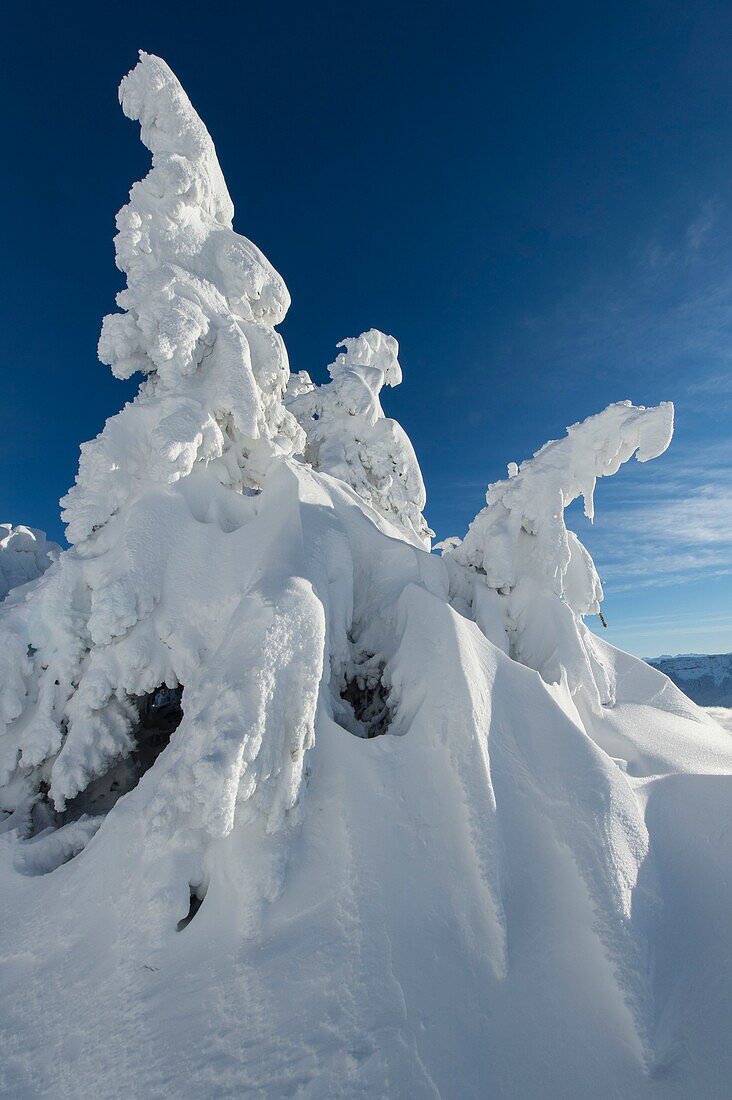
(24, 555)
(285, 812)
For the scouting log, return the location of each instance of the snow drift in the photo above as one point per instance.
(294, 807)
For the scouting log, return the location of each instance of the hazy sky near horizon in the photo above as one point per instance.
(535, 199)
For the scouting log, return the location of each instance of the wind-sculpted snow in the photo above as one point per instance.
(286, 812)
(540, 574)
(24, 555)
(349, 437)
(533, 499)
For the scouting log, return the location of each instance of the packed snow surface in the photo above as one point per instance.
(721, 715)
(294, 807)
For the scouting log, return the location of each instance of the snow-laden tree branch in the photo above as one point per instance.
(525, 578)
(522, 529)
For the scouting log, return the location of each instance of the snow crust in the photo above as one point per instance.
(24, 554)
(519, 888)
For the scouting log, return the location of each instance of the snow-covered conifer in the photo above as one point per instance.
(349, 437)
(199, 313)
(522, 530)
(141, 600)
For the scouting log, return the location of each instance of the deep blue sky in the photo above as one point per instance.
(535, 199)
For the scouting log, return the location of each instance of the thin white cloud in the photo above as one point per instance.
(703, 223)
(673, 527)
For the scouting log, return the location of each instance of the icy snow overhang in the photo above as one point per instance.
(532, 500)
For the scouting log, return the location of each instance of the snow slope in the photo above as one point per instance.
(704, 677)
(414, 834)
(721, 715)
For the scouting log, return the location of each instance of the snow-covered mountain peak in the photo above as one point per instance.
(704, 677)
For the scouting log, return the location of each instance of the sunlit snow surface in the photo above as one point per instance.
(722, 715)
(520, 889)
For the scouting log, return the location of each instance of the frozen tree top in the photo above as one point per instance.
(198, 322)
(172, 131)
(349, 437)
(186, 185)
(24, 554)
(533, 498)
(368, 363)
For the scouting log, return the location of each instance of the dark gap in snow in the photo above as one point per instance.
(198, 893)
(367, 695)
(160, 713)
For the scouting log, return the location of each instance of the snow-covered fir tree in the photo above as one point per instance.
(190, 451)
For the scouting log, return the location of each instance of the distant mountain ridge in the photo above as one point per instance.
(705, 677)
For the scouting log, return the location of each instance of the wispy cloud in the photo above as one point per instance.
(703, 223)
(664, 316)
(713, 384)
(659, 325)
(668, 525)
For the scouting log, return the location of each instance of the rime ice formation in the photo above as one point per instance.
(201, 306)
(285, 811)
(519, 555)
(349, 437)
(522, 531)
(24, 554)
